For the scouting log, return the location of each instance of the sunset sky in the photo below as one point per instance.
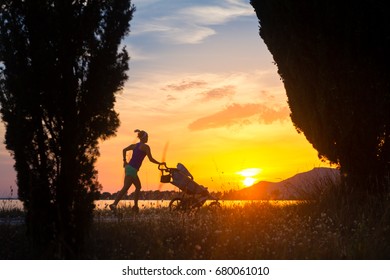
(203, 84)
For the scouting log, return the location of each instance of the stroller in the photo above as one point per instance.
(192, 196)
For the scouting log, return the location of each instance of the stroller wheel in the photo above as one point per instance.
(175, 204)
(214, 205)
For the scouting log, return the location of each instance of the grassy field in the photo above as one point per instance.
(330, 230)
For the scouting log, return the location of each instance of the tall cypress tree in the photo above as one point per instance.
(61, 65)
(333, 57)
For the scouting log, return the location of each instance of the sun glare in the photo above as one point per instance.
(249, 172)
(249, 181)
(249, 175)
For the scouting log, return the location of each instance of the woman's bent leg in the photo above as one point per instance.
(126, 185)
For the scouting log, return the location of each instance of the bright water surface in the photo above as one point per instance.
(10, 204)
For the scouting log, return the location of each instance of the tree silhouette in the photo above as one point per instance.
(333, 57)
(61, 65)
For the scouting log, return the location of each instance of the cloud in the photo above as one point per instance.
(241, 114)
(185, 85)
(191, 34)
(171, 98)
(216, 15)
(218, 93)
(188, 23)
(269, 115)
(136, 54)
(176, 30)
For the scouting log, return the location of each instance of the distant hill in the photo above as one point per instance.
(301, 186)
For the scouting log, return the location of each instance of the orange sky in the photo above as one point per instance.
(201, 80)
(216, 125)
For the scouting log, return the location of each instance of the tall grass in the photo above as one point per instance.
(362, 219)
(250, 231)
(12, 231)
(325, 226)
(9, 208)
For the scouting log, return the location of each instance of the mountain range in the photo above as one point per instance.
(301, 186)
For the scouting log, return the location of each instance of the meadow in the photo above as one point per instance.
(326, 229)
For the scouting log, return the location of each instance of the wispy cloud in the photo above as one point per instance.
(197, 85)
(241, 114)
(217, 14)
(218, 93)
(171, 97)
(136, 54)
(192, 23)
(185, 85)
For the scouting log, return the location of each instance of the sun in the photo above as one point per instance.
(249, 175)
(249, 181)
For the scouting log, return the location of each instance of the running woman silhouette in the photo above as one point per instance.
(140, 151)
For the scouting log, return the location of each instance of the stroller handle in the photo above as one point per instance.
(162, 166)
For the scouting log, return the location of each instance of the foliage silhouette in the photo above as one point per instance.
(60, 69)
(333, 58)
